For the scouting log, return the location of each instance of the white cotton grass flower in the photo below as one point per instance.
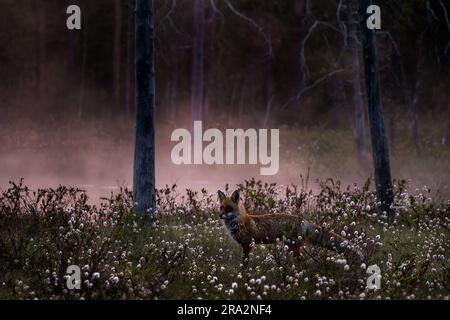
(96, 275)
(114, 280)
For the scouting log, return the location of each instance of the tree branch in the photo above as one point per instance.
(316, 24)
(217, 11)
(445, 14)
(431, 11)
(341, 25)
(312, 86)
(253, 23)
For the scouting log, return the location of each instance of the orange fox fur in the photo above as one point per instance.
(246, 229)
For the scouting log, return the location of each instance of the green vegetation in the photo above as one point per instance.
(187, 253)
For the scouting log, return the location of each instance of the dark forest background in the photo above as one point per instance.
(67, 97)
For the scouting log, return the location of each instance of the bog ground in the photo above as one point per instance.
(187, 254)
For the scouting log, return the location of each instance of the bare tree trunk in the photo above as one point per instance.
(392, 126)
(144, 153)
(83, 61)
(270, 93)
(131, 5)
(176, 56)
(174, 89)
(167, 92)
(198, 61)
(35, 56)
(447, 138)
(404, 86)
(237, 82)
(415, 100)
(242, 101)
(415, 118)
(380, 149)
(72, 63)
(357, 94)
(211, 76)
(42, 53)
(117, 54)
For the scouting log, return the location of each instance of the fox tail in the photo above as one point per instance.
(331, 241)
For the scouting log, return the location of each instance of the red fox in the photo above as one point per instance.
(246, 229)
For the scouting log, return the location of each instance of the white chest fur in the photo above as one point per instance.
(232, 226)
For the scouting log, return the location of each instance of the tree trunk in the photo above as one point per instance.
(210, 94)
(270, 93)
(42, 53)
(357, 94)
(117, 54)
(131, 5)
(72, 55)
(392, 126)
(415, 100)
(85, 31)
(404, 88)
(198, 61)
(380, 149)
(447, 138)
(176, 57)
(144, 153)
(173, 98)
(242, 105)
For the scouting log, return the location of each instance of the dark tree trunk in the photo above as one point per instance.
(42, 55)
(214, 61)
(357, 94)
(176, 57)
(405, 91)
(131, 5)
(415, 99)
(35, 56)
(392, 126)
(85, 31)
(165, 112)
(380, 149)
(238, 82)
(198, 61)
(447, 138)
(415, 117)
(242, 101)
(117, 54)
(72, 55)
(270, 93)
(144, 153)
(173, 98)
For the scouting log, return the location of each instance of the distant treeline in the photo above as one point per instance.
(251, 61)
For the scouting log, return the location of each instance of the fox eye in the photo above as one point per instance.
(221, 208)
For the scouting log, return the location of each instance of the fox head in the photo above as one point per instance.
(230, 207)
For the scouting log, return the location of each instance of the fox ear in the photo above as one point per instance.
(235, 197)
(221, 195)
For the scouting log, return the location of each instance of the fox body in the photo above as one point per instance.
(246, 229)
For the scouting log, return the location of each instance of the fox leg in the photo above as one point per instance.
(245, 255)
(295, 249)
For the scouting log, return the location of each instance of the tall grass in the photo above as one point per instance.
(187, 254)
